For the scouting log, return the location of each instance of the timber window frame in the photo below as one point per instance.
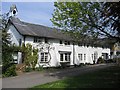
(80, 56)
(44, 57)
(65, 57)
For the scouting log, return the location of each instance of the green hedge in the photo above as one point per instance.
(10, 71)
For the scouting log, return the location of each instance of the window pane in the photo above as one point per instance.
(20, 42)
(46, 40)
(61, 57)
(69, 57)
(66, 57)
(80, 57)
(84, 56)
(68, 42)
(46, 56)
(65, 42)
(60, 41)
(42, 56)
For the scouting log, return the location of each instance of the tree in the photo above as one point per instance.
(111, 13)
(85, 19)
(8, 68)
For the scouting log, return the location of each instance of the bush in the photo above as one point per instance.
(40, 68)
(118, 61)
(87, 64)
(10, 71)
(110, 61)
(82, 64)
(114, 60)
(28, 69)
(100, 60)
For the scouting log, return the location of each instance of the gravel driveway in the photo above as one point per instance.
(36, 78)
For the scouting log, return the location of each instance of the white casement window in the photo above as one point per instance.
(44, 57)
(65, 57)
(67, 42)
(80, 57)
(37, 39)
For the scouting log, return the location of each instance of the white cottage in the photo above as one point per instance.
(57, 48)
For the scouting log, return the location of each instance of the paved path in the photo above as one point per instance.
(36, 78)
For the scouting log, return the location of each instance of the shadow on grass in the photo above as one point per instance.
(107, 78)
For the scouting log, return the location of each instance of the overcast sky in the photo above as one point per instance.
(37, 12)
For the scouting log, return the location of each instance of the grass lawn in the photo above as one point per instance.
(107, 78)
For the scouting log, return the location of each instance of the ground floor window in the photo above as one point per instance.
(80, 57)
(44, 57)
(65, 56)
(84, 57)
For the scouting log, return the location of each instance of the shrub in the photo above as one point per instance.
(118, 61)
(10, 71)
(30, 55)
(87, 64)
(28, 69)
(100, 60)
(82, 64)
(38, 68)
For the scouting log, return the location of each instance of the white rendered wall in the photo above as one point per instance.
(56, 47)
(14, 35)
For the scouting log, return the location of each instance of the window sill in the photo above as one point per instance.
(44, 62)
(65, 45)
(64, 61)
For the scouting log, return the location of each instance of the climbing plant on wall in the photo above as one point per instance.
(30, 55)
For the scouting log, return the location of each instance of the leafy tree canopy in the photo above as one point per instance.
(96, 19)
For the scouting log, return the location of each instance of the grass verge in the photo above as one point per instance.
(107, 78)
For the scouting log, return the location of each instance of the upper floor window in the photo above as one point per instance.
(61, 42)
(37, 39)
(67, 42)
(46, 40)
